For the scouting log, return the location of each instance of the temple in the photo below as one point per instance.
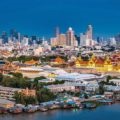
(31, 62)
(58, 61)
(101, 64)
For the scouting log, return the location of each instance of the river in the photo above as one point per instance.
(111, 112)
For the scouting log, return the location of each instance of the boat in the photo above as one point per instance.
(16, 110)
(54, 106)
(106, 101)
(43, 108)
(3, 110)
(81, 106)
(91, 105)
(67, 106)
(30, 109)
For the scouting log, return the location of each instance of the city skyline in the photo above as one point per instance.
(41, 17)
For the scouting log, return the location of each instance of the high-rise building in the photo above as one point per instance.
(19, 37)
(25, 41)
(78, 39)
(117, 38)
(4, 37)
(13, 34)
(112, 41)
(70, 38)
(62, 39)
(98, 40)
(1, 41)
(54, 41)
(89, 32)
(87, 38)
(57, 32)
(84, 41)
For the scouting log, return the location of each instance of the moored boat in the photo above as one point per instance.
(16, 110)
(106, 101)
(91, 105)
(30, 109)
(43, 108)
(3, 110)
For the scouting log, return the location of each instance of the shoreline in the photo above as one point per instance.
(47, 109)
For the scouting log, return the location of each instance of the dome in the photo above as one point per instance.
(70, 28)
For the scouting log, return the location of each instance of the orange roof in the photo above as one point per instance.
(59, 60)
(99, 61)
(31, 62)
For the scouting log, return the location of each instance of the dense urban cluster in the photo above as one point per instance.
(64, 72)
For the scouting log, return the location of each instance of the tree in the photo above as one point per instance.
(15, 82)
(108, 78)
(39, 78)
(22, 99)
(1, 77)
(44, 95)
(19, 98)
(17, 74)
(85, 96)
(101, 89)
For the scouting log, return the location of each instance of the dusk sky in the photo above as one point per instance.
(40, 17)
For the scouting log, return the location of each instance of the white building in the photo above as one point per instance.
(115, 81)
(38, 51)
(72, 77)
(87, 39)
(61, 88)
(7, 92)
(25, 41)
(112, 41)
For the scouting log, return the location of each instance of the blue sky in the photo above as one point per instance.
(40, 17)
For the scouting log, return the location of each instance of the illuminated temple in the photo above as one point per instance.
(8, 67)
(101, 64)
(58, 61)
(31, 62)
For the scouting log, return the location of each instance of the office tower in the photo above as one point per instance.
(14, 35)
(33, 38)
(112, 41)
(54, 41)
(19, 37)
(117, 38)
(70, 38)
(25, 41)
(1, 41)
(89, 32)
(57, 32)
(84, 41)
(62, 39)
(87, 38)
(98, 40)
(78, 39)
(4, 37)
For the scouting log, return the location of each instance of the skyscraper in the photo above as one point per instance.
(57, 32)
(117, 38)
(89, 32)
(4, 37)
(87, 38)
(70, 38)
(62, 39)
(25, 41)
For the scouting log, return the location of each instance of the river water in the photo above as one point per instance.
(111, 112)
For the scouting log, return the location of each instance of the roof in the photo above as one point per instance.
(73, 76)
(3, 101)
(115, 80)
